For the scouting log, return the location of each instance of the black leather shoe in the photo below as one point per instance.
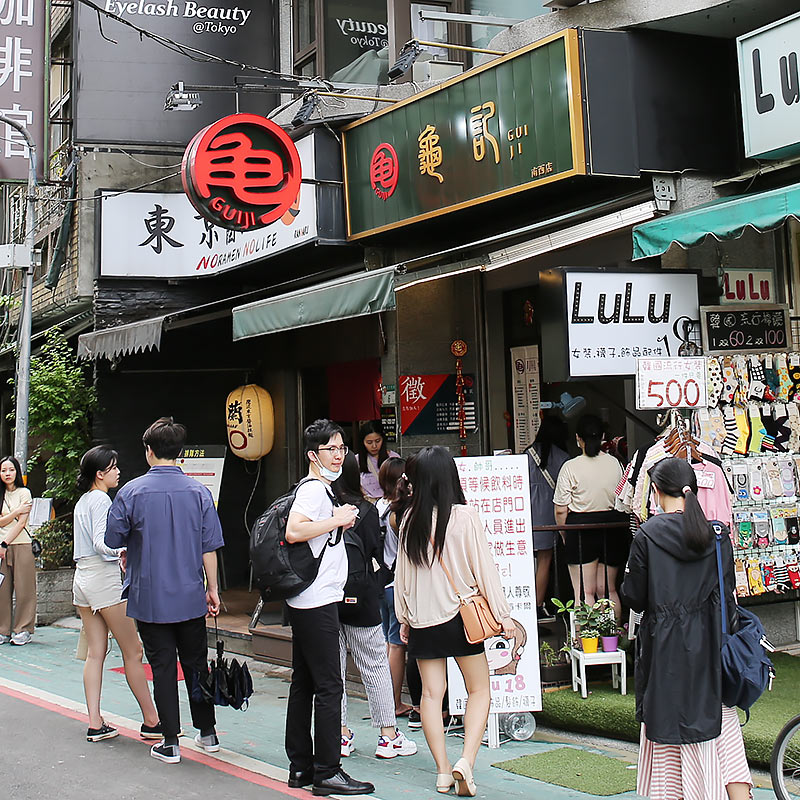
(298, 779)
(341, 783)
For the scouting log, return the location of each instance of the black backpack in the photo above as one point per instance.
(282, 569)
(361, 586)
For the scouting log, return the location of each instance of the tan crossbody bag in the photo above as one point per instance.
(479, 621)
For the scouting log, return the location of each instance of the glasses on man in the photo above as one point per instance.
(343, 450)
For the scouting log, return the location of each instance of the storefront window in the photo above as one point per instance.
(481, 35)
(305, 37)
(306, 23)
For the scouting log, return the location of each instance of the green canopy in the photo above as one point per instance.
(343, 298)
(722, 219)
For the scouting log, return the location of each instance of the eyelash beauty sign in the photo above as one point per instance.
(497, 486)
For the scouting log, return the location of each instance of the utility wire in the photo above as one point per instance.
(122, 191)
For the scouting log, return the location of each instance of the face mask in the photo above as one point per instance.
(326, 473)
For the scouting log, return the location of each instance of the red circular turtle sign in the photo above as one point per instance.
(383, 170)
(242, 172)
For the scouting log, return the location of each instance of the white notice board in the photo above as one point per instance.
(204, 464)
(498, 487)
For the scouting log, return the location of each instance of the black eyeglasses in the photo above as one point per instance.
(344, 450)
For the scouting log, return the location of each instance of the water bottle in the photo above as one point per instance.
(519, 726)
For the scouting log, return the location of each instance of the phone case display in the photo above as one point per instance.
(753, 422)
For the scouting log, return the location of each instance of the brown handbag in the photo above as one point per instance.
(479, 621)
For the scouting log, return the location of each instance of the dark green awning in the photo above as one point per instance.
(722, 219)
(343, 298)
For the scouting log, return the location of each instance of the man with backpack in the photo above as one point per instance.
(317, 519)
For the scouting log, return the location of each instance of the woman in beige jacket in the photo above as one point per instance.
(440, 531)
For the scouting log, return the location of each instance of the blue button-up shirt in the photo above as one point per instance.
(167, 520)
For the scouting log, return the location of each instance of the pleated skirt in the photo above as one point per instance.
(698, 771)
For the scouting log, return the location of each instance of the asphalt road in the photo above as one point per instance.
(46, 755)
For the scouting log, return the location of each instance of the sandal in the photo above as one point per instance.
(462, 775)
(444, 782)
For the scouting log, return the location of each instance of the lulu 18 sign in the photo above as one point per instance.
(241, 173)
(613, 318)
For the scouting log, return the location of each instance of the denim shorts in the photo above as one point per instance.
(391, 625)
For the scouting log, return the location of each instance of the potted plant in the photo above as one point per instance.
(553, 664)
(590, 637)
(609, 633)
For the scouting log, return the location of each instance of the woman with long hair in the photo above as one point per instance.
(584, 495)
(17, 564)
(360, 626)
(546, 456)
(690, 744)
(439, 532)
(97, 594)
(371, 451)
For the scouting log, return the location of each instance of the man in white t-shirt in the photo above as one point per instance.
(314, 617)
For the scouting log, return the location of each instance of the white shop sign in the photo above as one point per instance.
(671, 383)
(613, 318)
(770, 88)
(498, 487)
(526, 395)
(160, 235)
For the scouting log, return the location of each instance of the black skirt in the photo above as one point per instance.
(442, 641)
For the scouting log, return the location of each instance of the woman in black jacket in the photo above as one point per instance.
(691, 746)
(360, 625)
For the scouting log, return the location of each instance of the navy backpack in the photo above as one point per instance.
(746, 669)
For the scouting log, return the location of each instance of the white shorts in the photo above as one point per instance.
(97, 583)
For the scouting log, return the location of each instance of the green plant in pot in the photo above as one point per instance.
(55, 537)
(553, 664)
(590, 637)
(609, 633)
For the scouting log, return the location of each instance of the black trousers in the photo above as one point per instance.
(161, 643)
(317, 681)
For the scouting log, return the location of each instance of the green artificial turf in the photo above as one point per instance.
(606, 712)
(581, 770)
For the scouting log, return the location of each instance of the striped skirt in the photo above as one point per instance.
(698, 771)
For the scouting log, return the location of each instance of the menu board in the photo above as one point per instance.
(204, 463)
(526, 394)
(730, 330)
(497, 486)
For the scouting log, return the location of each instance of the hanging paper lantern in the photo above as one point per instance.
(251, 422)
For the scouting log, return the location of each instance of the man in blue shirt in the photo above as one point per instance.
(169, 525)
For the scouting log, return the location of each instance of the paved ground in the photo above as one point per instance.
(41, 702)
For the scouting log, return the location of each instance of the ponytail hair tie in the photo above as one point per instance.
(686, 490)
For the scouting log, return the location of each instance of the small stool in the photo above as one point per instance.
(580, 660)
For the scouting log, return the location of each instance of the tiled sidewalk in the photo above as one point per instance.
(48, 664)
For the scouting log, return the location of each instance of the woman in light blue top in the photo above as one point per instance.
(97, 594)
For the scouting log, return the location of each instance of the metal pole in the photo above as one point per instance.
(23, 381)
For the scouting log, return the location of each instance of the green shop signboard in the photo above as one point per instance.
(501, 128)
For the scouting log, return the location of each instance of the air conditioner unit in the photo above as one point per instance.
(435, 70)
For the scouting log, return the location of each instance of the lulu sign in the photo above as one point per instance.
(769, 79)
(242, 173)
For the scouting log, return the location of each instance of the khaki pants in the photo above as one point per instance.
(19, 569)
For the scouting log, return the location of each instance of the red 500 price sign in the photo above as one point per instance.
(671, 383)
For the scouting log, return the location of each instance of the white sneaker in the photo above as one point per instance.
(4, 639)
(348, 744)
(23, 637)
(209, 743)
(399, 746)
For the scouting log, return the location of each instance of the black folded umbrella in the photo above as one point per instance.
(225, 683)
